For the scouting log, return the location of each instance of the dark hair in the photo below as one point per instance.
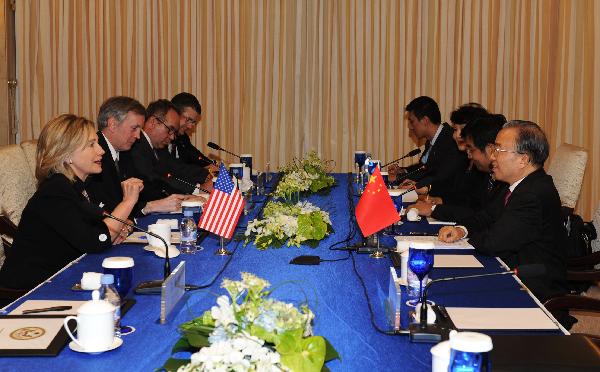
(530, 140)
(484, 129)
(118, 107)
(184, 100)
(160, 108)
(466, 113)
(425, 106)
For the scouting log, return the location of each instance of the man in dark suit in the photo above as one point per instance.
(479, 138)
(150, 161)
(529, 229)
(120, 120)
(442, 160)
(181, 148)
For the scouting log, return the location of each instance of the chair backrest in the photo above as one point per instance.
(17, 183)
(596, 222)
(30, 150)
(567, 169)
(2, 254)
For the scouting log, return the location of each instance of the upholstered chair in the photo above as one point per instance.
(17, 183)
(596, 222)
(567, 168)
(30, 149)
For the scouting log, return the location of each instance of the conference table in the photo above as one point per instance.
(333, 291)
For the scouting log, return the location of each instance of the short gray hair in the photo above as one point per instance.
(530, 140)
(118, 107)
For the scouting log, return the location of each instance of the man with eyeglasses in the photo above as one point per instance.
(120, 120)
(528, 228)
(149, 160)
(478, 139)
(181, 148)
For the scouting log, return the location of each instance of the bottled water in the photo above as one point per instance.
(412, 288)
(189, 232)
(109, 293)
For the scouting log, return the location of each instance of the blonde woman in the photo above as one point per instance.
(59, 223)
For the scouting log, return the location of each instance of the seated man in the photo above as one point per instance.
(441, 157)
(120, 120)
(150, 161)
(479, 139)
(181, 148)
(528, 229)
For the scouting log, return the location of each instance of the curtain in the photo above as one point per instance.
(280, 78)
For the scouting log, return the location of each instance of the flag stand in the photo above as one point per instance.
(222, 251)
(377, 253)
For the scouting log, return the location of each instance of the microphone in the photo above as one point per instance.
(407, 175)
(169, 175)
(214, 146)
(410, 154)
(432, 333)
(153, 286)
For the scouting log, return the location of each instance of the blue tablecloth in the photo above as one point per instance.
(333, 291)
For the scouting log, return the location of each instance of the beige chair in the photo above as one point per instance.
(17, 183)
(596, 242)
(567, 169)
(30, 150)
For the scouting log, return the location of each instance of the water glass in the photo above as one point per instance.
(420, 262)
(122, 270)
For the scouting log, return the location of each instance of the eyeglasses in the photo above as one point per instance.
(170, 129)
(497, 149)
(189, 120)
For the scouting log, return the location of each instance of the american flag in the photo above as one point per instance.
(224, 206)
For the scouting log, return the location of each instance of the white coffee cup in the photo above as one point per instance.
(413, 215)
(95, 325)
(440, 357)
(162, 230)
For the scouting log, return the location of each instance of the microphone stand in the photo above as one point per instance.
(410, 154)
(169, 175)
(153, 286)
(422, 332)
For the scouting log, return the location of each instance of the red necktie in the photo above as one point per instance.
(506, 197)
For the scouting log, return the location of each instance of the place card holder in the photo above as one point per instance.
(393, 301)
(172, 291)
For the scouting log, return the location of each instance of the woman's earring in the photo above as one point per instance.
(70, 161)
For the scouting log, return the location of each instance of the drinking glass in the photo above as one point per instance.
(420, 261)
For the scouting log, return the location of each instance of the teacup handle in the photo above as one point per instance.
(66, 325)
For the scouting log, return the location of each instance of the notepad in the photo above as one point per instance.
(433, 221)
(40, 304)
(461, 244)
(455, 260)
(469, 318)
(139, 237)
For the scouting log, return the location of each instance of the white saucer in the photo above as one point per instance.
(160, 252)
(116, 343)
(402, 281)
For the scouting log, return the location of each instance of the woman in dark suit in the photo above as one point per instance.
(59, 223)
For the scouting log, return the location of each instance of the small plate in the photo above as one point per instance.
(402, 282)
(75, 347)
(160, 252)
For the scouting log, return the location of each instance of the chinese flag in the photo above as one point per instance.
(375, 209)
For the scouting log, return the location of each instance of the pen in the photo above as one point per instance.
(53, 308)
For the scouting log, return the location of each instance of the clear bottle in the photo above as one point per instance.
(109, 293)
(412, 287)
(189, 232)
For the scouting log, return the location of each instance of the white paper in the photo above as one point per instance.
(40, 304)
(461, 244)
(455, 260)
(465, 318)
(409, 197)
(138, 237)
(433, 221)
(28, 333)
(171, 222)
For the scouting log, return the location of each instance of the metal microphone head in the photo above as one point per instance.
(414, 152)
(214, 146)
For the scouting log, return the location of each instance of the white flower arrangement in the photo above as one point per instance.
(248, 331)
(294, 224)
(307, 175)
